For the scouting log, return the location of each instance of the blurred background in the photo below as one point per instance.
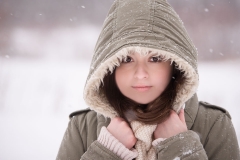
(45, 52)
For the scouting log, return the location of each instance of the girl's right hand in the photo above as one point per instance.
(120, 129)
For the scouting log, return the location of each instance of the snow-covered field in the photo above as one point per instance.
(36, 98)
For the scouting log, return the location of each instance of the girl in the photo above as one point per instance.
(143, 73)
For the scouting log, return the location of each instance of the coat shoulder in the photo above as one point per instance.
(216, 131)
(208, 116)
(84, 112)
(213, 108)
(85, 120)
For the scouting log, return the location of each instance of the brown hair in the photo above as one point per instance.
(152, 113)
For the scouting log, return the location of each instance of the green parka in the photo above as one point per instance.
(211, 133)
(144, 26)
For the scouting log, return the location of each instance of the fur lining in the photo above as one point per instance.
(99, 103)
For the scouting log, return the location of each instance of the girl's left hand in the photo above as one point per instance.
(174, 125)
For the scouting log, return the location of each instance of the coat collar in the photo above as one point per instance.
(191, 109)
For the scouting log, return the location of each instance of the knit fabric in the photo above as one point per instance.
(143, 145)
(110, 142)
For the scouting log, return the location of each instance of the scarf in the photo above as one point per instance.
(144, 147)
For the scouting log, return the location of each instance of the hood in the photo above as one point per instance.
(141, 27)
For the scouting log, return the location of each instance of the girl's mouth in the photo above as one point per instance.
(142, 88)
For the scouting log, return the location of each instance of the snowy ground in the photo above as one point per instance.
(36, 98)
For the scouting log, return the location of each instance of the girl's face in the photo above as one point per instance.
(143, 78)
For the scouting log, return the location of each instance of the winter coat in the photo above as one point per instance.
(211, 136)
(134, 26)
(144, 26)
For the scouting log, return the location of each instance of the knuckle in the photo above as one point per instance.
(123, 123)
(173, 114)
(117, 120)
(132, 140)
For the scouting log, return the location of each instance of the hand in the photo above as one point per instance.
(120, 129)
(174, 125)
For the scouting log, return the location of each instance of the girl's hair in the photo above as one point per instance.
(152, 113)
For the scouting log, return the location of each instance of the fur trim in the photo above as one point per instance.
(99, 103)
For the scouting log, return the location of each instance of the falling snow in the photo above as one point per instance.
(188, 152)
(40, 95)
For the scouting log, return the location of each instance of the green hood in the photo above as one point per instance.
(141, 26)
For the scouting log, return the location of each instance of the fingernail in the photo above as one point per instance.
(183, 107)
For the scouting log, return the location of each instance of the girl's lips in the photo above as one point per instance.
(142, 88)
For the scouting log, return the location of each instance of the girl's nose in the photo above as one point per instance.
(141, 72)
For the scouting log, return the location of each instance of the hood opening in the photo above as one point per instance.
(97, 100)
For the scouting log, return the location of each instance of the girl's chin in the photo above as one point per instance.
(141, 102)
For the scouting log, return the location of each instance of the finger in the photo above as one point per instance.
(113, 118)
(181, 116)
(173, 112)
(116, 120)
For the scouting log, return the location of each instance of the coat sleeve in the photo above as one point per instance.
(184, 146)
(78, 143)
(221, 142)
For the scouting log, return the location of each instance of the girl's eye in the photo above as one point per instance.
(156, 59)
(127, 59)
